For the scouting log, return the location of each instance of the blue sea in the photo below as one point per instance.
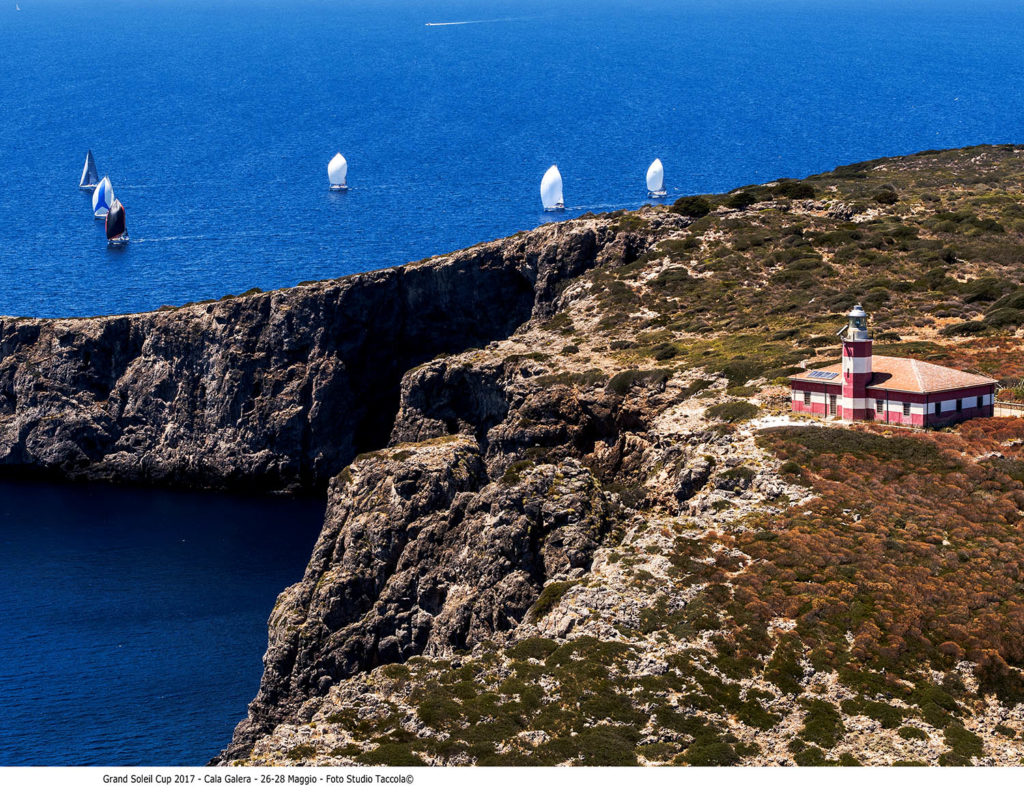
(134, 621)
(215, 120)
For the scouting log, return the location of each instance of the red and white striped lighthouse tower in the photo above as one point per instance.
(856, 365)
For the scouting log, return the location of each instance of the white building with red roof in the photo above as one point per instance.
(889, 388)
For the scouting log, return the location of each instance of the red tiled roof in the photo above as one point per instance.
(905, 375)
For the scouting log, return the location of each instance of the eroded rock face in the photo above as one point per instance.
(275, 390)
(420, 553)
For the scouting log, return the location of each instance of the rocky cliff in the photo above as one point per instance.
(277, 390)
(569, 518)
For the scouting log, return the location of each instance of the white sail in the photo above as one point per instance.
(102, 198)
(551, 189)
(337, 171)
(656, 177)
(89, 175)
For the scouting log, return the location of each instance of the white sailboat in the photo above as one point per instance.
(102, 198)
(551, 190)
(656, 179)
(337, 172)
(89, 175)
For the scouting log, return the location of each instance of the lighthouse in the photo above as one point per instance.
(889, 389)
(856, 365)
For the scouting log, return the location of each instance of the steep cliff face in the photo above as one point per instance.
(488, 489)
(275, 390)
(420, 553)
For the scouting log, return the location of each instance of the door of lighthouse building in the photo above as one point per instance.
(831, 405)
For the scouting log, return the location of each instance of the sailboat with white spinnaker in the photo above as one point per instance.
(551, 190)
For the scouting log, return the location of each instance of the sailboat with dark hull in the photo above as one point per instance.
(90, 177)
(117, 228)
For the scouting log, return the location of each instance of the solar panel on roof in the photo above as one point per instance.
(825, 376)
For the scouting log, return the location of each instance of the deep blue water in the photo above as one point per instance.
(134, 621)
(215, 120)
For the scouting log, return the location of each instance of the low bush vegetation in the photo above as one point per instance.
(733, 411)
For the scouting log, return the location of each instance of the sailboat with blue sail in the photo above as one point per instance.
(102, 198)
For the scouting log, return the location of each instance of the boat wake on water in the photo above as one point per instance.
(470, 22)
(166, 239)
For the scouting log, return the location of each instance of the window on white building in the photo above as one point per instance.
(906, 409)
(959, 404)
(879, 406)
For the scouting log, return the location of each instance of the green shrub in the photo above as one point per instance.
(912, 733)
(740, 200)
(1001, 318)
(549, 599)
(890, 717)
(823, 724)
(812, 756)
(659, 752)
(733, 411)
(963, 742)
(692, 206)
(391, 754)
(664, 351)
(300, 752)
(515, 471)
(590, 377)
(621, 383)
(673, 281)
(695, 386)
(396, 671)
(603, 746)
(783, 669)
(711, 754)
(987, 288)
(966, 329)
(438, 710)
(740, 370)
(794, 189)
(1014, 300)
(735, 477)
(886, 196)
(532, 648)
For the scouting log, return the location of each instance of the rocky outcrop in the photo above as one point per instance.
(421, 554)
(277, 390)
